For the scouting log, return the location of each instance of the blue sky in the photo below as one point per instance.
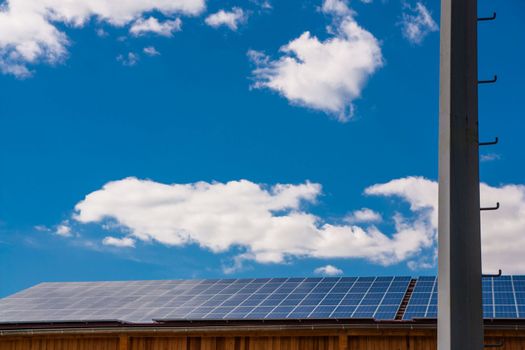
(148, 142)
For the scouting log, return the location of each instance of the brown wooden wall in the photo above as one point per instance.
(254, 341)
(234, 343)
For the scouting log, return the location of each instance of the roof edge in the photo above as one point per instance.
(218, 327)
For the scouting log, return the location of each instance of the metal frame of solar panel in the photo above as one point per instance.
(223, 299)
(503, 298)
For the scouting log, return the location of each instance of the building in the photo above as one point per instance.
(365, 313)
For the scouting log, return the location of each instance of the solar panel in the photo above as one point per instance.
(248, 299)
(503, 298)
(223, 299)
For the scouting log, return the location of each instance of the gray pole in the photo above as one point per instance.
(460, 316)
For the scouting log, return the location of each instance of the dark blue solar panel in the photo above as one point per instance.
(145, 301)
(503, 297)
(248, 299)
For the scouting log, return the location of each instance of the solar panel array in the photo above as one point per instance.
(248, 299)
(224, 299)
(503, 297)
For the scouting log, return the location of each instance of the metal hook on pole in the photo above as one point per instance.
(491, 208)
(491, 18)
(489, 143)
(493, 275)
(489, 81)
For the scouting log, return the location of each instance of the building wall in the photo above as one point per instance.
(304, 340)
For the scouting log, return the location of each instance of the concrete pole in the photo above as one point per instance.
(460, 316)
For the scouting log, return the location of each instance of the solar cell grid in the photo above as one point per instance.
(300, 309)
(502, 298)
(277, 298)
(280, 312)
(332, 299)
(342, 287)
(322, 312)
(343, 311)
(300, 312)
(328, 302)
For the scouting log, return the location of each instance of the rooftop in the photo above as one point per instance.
(398, 299)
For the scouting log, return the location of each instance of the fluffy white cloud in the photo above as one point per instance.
(18, 70)
(152, 25)
(124, 242)
(230, 19)
(29, 31)
(336, 7)
(419, 192)
(422, 263)
(501, 231)
(151, 51)
(328, 270)
(417, 23)
(270, 223)
(339, 7)
(323, 75)
(364, 215)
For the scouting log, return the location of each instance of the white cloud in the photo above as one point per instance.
(151, 51)
(129, 60)
(64, 230)
(230, 19)
(30, 34)
(18, 70)
(489, 157)
(323, 75)
(419, 192)
(152, 25)
(364, 215)
(236, 265)
(420, 265)
(501, 231)
(417, 23)
(269, 223)
(124, 242)
(272, 224)
(336, 7)
(328, 270)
